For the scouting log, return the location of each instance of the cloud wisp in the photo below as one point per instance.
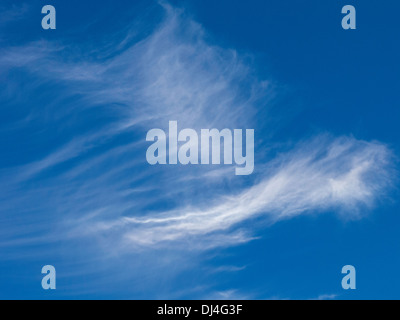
(343, 174)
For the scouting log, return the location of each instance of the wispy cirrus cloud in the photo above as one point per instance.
(326, 297)
(89, 179)
(341, 174)
(174, 73)
(171, 73)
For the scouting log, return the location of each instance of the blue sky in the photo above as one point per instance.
(78, 194)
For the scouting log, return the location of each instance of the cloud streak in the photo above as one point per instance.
(342, 174)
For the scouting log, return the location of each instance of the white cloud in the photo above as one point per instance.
(343, 174)
(326, 297)
(231, 294)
